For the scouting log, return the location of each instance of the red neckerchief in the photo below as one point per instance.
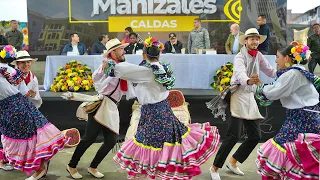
(123, 83)
(28, 78)
(253, 52)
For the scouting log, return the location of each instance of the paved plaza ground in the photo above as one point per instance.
(57, 169)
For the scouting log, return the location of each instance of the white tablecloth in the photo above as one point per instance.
(192, 71)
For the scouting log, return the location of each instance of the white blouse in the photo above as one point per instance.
(293, 89)
(8, 89)
(34, 86)
(147, 90)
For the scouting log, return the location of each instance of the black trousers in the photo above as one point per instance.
(312, 64)
(235, 126)
(93, 129)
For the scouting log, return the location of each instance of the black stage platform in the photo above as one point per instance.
(62, 113)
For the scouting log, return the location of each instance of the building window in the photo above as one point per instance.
(56, 26)
(60, 26)
(49, 36)
(53, 35)
(52, 26)
(67, 36)
(58, 36)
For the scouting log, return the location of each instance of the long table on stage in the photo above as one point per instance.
(192, 71)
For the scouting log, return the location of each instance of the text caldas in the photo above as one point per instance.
(153, 24)
(154, 6)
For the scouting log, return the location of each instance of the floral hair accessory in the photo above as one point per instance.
(149, 42)
(300, 52)
(8, 52)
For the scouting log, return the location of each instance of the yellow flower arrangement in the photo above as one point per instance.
(222, 78)
(73, 77)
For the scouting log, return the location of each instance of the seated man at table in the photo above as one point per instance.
(134, 45)
(100, 46)
(173, 45)
(75, 46)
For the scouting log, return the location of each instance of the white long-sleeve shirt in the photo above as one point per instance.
(8, 89)
(293, 89)
(147, 90)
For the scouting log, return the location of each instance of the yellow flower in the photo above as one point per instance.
(79, 63)
(59, 85)
(60, 68)
(62, 72)
(226, 80)
(293, 50)
(61, 81)
(70, 74)
(85, 82)
(70, 83)
(81, 71)
(87, 88)
(64, 88)
(221, 89)
(73, 61)
(68, 71)
(54, 88)
(89, 77)
(76, 88)
(3, 53)
(222, 81)
(218, 71)
(148, 42)
(75, 79)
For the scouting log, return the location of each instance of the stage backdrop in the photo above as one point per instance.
(53, 21)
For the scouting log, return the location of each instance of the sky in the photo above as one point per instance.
(299, 6)
(14, 9)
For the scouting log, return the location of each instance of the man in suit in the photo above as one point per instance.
(232, 45)
(173, 45)
(100, 46)
(75, 46)
(134, 45)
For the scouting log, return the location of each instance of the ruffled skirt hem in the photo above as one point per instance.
(276, 162)
(27, 155)
(173, 161)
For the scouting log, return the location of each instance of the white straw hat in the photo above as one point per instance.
(23, 56)
(114, 44)
(252, 32)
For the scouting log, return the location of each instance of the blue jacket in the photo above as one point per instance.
(68, 48)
